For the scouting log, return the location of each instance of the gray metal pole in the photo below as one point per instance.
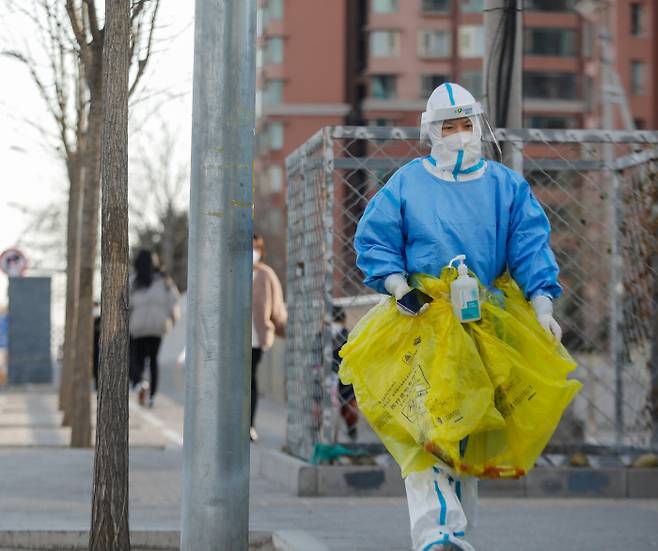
(493, 39)
(616, 264)
(215, 500)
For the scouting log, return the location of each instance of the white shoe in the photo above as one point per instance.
(253, 435)
(141, 393)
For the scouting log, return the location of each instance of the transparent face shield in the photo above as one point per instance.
(432, 123)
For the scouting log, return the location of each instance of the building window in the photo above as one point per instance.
(434, 44)
(639, 124)
(550, 42)
(637, 19)
(473, 82)
(275, 178)
(429, 83)
(259, 21)
(550, 5)
(553, 122)
(385, 43)
(471, 6)
(588, 93)
(547, 85)
(275, 10)
(383, 86)
(274, 50)
(385, 6)
(436, 6)
(259, 102)
(471, 41)
(273, 93)
(275, 135)
(588, 39)
(638, 73)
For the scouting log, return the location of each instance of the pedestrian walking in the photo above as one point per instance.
(97, 341)
(153, 311)
(269, 317)
(450, 203)
(349, 410)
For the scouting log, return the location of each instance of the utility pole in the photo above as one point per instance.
(215, 507)
(616, 287)
(503, 71)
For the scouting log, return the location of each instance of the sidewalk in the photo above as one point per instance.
(45, 485)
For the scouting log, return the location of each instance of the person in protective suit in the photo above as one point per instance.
(432, 209)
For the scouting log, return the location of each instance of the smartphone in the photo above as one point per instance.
(414, 300)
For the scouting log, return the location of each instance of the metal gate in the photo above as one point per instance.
(600, 191)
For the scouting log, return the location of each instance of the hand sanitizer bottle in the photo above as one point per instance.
(464, 293)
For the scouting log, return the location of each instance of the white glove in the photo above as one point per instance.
(397, 285)
(543, 306)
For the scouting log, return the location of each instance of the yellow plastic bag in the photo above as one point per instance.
(419, 380)
(426, 383)
(528, 371)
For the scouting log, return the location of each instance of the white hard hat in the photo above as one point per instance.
(449, 101)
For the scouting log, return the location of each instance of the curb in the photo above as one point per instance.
(296, 540)
(306, 480)
(79, 539)
(151, 540)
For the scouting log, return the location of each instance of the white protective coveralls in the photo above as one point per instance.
(441, 504)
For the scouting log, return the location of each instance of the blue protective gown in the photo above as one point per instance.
(417, 223)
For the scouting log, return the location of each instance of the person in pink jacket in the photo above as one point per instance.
(269, 318)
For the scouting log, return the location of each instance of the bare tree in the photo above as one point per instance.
(61, 85)
(109, 519)
(71, 35)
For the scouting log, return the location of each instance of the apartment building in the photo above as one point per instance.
(634, 28)
(374, 62)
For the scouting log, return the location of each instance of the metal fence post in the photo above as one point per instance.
(215, 500)
(328, 226)
(616, 298)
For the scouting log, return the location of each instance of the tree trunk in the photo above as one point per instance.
(168, 239)
(72, 282)
(81, 410)
(109, 517)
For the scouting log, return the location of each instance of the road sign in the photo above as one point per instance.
(13, 262)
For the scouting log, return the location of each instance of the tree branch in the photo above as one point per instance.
(57, 57)
(76, 25)
(137, 8)
(52, 106)
(93, 20)
(143, 62)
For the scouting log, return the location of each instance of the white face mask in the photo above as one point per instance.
(457, 141)
(445, 149)
(256, 256)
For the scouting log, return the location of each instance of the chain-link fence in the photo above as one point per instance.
(599, 189)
